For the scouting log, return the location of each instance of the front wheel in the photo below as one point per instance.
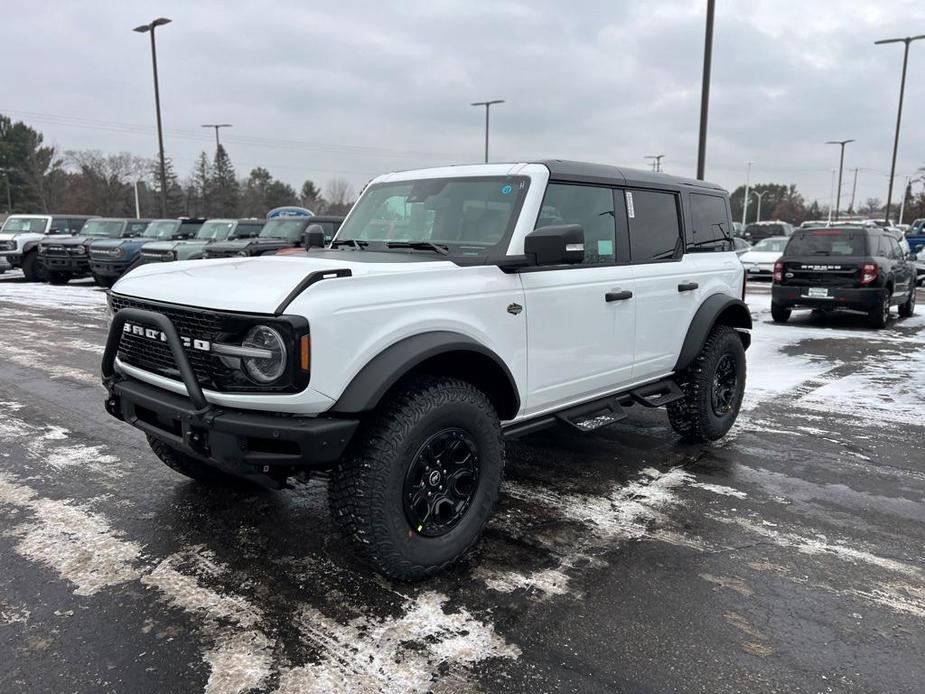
(33, 268)
(907, 308)
(713, 388)
(417, 491)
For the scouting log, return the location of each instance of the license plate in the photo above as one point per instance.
(818, 292)
(754, 268)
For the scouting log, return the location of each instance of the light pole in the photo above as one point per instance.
(759, 196)
(705, 90)
(149, 29)
(216, 126)
(854, 189)
(831, 197)
(899, 113)
(748, 175)
(841, 165)
(487, 105)
(656, 161)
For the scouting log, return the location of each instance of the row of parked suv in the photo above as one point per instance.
(58, 248)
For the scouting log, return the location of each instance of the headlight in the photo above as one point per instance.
(42, 250)
(265, 370)
(78, 250)
(118, 252)
(242, 253)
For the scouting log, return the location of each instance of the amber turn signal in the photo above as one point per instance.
(305, 353)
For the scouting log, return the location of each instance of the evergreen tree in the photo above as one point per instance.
(200, 188)
(226, 191)
(311, 197)
(176, 200)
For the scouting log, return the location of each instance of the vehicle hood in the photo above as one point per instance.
(109, 243)
(10, 235)
(69, 240)
(171, 245)
(253, 285)
(760, 256)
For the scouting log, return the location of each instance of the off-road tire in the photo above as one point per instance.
(880, 314)
(907, 308)
(366, 489)
(101, 281)
(58, 278)
(32, 268)
(693, 416)
(192, 468)
(779, 313)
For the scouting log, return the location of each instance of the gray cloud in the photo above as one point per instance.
(359, 88)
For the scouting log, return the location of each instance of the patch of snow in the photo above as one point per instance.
(68, 297)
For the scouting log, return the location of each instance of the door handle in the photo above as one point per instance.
(618, 295)
(687, 286)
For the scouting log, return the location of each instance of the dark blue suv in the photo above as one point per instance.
(112, 258)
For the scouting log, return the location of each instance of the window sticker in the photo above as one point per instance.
(605, 247)
(507, 189)
(630, 210)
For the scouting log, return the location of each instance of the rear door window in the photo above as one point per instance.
(710, 228)
(654, 225)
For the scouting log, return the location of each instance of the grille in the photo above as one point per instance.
(155, 356)
(56, 250)
(151, 254)
(104, 253)
(7, 245)
(219, 253)
(827, 278)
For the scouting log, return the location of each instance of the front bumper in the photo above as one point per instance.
(72, 265)
(106, 268)
(14, 258)
(259, 446)
(863, 299)
(758, 270)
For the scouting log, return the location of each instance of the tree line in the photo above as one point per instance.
(36, 177)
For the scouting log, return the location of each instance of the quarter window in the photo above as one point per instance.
(710, 224)
(590, 206)
(655, 229)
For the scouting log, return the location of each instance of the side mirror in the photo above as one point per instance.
(560, 244)
(314, 237)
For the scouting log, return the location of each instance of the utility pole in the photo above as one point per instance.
(216, 126)
(831, 196)
(705, 90)
(854, 189)
(841, 165)
(899, 112)
(656, 161)
(748, 175)
(487, 105)
(149, 29)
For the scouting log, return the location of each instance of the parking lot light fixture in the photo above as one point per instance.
(487, 105)
(656, 161)
(759, 196)
(899, 112)
(841, 166)
(748, 175)
(149, 29)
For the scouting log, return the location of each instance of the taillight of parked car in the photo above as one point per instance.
(778, 275)
(869, 273)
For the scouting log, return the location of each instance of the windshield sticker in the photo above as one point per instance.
(630, 210)
(507, 189)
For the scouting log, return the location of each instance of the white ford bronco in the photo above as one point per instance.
(456, 308)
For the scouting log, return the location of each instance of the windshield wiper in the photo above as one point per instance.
(420, 246)
(349, 242)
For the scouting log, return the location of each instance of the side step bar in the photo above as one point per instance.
(601, 412)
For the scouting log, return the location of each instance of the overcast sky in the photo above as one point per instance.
(353, 89)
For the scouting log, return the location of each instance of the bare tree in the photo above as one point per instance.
(340, 195)
(105, 180)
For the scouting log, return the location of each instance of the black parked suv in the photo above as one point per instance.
(278, 233)
(68, 258)
(856, 268)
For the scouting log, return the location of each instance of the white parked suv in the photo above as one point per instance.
(455, 309)
(21, 233)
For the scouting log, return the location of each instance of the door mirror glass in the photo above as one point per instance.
(314, 236)
(559, 244)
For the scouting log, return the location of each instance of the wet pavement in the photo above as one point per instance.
(786, 557)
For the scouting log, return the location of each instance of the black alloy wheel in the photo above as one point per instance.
(725, 382)
(441, 482)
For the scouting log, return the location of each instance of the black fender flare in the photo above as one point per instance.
(30, 246)
(383, 371)
(719, 308)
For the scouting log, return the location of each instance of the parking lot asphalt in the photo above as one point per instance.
(786, 557)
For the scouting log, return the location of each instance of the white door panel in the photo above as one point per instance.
(578, 342)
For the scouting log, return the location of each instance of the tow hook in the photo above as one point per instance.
(112, 406)
(197, 441)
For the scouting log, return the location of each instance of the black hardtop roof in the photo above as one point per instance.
(586, 172)
(121, 219)
(67, 216)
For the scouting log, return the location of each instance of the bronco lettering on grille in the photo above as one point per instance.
(152, 334)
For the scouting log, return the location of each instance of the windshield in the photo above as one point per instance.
(211, 231)
(467, 215)
(289, 229)
(25, 224)
(109, 228)
(829, 242)
(770, 245)
(161, 230)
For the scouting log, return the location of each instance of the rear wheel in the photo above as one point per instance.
(880, 314)
(190, 467)
(779, 313)
(713, 388)
(33, 268)
(415, 495)
(908, 308)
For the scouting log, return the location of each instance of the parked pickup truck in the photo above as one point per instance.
(21, 233)
(456, 308)
(112, 258)
(212, 231)
(279, 232)
(68, 258)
